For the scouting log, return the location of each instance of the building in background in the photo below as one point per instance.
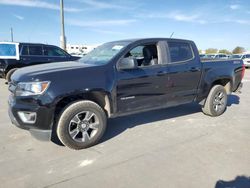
(75, 49)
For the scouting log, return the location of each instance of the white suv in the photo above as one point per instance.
(244, 57)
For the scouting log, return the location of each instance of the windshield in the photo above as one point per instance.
(8, 50)
(236, 56)
(104, 53)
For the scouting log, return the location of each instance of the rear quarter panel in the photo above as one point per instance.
(217, 70)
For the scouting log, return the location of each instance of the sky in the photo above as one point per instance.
(221, 24)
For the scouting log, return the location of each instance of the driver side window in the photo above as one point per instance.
(146, 55)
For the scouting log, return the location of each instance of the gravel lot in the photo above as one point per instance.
(170, 148)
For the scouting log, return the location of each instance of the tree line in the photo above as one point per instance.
(236, 50)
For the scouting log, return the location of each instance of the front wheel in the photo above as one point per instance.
(216, 101)
(81, 125)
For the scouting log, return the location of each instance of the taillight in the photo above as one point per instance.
(243, 71)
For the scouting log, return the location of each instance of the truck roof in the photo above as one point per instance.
(150, 39)
(26, 43)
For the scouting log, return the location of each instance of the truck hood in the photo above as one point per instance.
(38, 72)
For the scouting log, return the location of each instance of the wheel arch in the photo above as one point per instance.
(102, 98)
(226, 82)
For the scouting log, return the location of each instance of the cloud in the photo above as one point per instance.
(101, 5)
(18, 17)
(37, 4)
(238, 21)
(244, 22)
(235, 7)
(107, 32)
(186, 18)
(100, 23)
(177, 16)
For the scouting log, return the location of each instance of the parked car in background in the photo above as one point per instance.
(216, 56)
(236, 56)
(118, 78)
(244, 57)
(77, 54)
(202, 55)
(17, 55)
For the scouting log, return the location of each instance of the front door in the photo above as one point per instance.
(143, 87)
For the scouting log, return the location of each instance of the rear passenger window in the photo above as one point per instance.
(35, 50)
(25, 50)
(180, 51)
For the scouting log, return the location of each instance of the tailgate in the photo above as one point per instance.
(239, 74)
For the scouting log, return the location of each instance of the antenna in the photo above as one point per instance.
(171, 35)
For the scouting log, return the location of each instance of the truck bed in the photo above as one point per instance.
(222, 68)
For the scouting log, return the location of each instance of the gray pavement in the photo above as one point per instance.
(170, 148)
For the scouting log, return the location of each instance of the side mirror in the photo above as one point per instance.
(127, 63)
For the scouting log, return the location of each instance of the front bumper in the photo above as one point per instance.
(41, 129)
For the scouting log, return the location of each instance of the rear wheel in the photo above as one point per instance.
(81, 125)
(216, 101)
(9, 74)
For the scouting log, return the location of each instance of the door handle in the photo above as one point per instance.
(161, 73)
(195, 69)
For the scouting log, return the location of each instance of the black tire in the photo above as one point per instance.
(215, 105)
(66, 122)
(9, 74)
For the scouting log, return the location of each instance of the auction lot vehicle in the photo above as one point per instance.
(244, 57)
(74, 99)
(216, 56)
(17, 55)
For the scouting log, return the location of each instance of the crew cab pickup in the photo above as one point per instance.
(74, 99)
(16, 55)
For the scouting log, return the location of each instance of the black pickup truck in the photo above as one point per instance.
(74, 99)
(15, 55)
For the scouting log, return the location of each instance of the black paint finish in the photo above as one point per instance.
(128, 91)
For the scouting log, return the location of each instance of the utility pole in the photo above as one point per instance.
(62, 37)
(11, 34)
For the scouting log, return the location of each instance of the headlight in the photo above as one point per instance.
(31, 88)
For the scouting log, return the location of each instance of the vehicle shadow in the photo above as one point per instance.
(238, 182)
(118, 125)
(233, 99)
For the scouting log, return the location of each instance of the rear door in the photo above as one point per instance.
(184, 72)
(32, 55)
(144, 87)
